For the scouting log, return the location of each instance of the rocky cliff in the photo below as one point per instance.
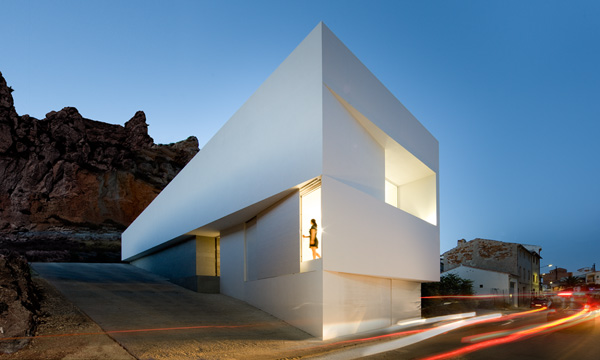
(66, 178)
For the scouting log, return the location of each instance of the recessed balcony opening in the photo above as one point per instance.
(409, 184)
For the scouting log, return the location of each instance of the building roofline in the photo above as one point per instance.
(505, 242)
(478, 268)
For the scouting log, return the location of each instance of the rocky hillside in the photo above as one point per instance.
(67, 180)
(19, 303)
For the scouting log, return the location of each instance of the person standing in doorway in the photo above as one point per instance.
(314, 242)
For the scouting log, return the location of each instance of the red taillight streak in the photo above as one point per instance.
(401, 333)
(513, 337)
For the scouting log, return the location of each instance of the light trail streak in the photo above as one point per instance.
(495, 334)
(437, 319)
(400, 333)
(418, 335)
(463, 296)
(516, 315)
(481, 296)
(359, 352)
(518, 335)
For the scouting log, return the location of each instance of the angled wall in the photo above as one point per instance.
(350, 154)
(271, 241)
(369, 237)
(235, 169)
(366, 131)
(345, 75)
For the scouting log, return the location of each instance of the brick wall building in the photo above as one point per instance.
(552, 280)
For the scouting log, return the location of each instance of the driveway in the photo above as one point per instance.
(155, 319)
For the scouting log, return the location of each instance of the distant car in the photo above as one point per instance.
(569, 303)
(539, 302)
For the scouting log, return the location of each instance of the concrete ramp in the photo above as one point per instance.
(153, 318)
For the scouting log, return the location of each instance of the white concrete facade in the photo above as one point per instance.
(321, 118)
(488, 282)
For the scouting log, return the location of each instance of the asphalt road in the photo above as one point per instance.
(580, 342)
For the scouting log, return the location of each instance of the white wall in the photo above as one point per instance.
(350, 154)
(274, 249)
(406, 300)
(355, 216)
(355, 303)
(297, 299)
(271, 267)
(348, 77)
(364, 235)
(271, 144)
(484, 282)
(419, 198)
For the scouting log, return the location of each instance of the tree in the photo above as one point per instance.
(455, 285)
(449, 284)
(435, 303)
(572, 281)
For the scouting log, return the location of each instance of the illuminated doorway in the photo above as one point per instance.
(310, 199)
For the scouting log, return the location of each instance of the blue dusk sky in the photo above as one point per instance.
(511, 89)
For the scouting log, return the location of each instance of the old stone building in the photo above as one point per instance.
(521, 261)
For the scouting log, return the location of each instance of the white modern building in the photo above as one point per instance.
(501, 286)
(320, 139)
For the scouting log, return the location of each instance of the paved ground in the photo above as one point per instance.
(139, 315)
(152, 318)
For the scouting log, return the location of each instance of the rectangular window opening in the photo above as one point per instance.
(410, 185)
(310, 202)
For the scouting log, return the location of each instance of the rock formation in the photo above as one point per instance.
(19, 303)
(66, 174)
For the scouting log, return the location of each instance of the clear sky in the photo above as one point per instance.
(511, 89)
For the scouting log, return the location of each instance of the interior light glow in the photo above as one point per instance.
(311, 209)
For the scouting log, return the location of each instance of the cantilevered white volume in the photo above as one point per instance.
(320, 139)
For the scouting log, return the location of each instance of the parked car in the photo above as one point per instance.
(539, 302)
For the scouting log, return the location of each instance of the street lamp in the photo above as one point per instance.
(543, 274)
